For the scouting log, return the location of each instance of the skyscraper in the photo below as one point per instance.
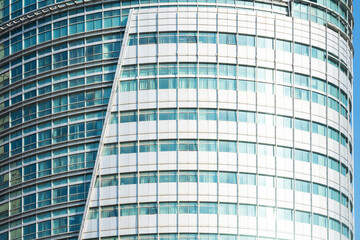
(176, 120)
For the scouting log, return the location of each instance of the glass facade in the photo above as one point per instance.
(176, 120)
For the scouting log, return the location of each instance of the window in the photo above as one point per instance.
(147, 84)
(44, 168)
(127, 86)
(246, 117)
(167, 83)
(226, 38)
(188, 83)
(302, 186)
(60, 60)
(60, 29)
(187, 145)
(128, 210)
(246, 86)
(320, 220)
(284, 152)
(247, 210)
(227, 70)
(147, 115)
(227, 177)
(283, 45)
(168, 208)
(112, 18)
(303, 125)
(148, 146)
(263, 42)
(76, 100)
(187, 37)
(44, 229)
(302, 155)
(167, 177)
(247, 179)
(208, 208)
(44, 33)
(126, 148)
(245, 40)
(208, 69)
(187, 208)
(187, 176)
(93, 21)
(29, 202)
(227, 146)
(302, 80)
(29, 142)
(207, 114)
(318, 98)
(286, 122)
(148, 177)
(227, 115)
(93, 52)
(59, 225)
(44, 64)
(60, 134)
(208, 177)
(60, 195)
(108, 212)
(227, 84)
(110, 149)
(76, 56)
(319, 189)
(76, 25)
(167, 37)
(167, 114)
(208, 146)
(247, 148)
(187, 114)
(207, 37)
(76, 161)
(284, 183)
(301, 49)
(60, 164)
(170, 145)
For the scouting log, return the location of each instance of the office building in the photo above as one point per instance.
(176, 120)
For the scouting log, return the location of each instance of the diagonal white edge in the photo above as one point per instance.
(106, 122)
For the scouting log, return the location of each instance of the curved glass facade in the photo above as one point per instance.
(176, 120)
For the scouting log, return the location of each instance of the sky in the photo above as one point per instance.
(356, 117)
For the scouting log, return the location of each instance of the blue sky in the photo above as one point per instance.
(357, 116)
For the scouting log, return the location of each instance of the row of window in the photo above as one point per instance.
(321, 15)
(226, 38)
(56, 83)
(221, 209)
(71, 119)
(222, 177)
(200, 236)
(29, 229)
(244, 85)
(45, 228)
(230, 115)
(92, 146)
(59, 29)
(52, 136)
(47, 167)
(223, 71)
(227, 146)
(45, 198)
(63, 59)
(18, 8)
(233, 39)
(55, 105)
